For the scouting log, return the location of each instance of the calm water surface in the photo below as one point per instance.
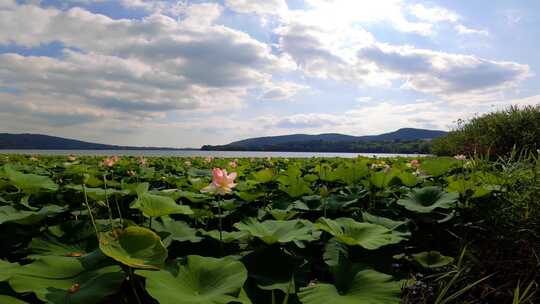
(191, 153)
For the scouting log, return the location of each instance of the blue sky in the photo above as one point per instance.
(188, 73)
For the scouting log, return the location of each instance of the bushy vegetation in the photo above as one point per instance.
(311, 231)
(494, 134)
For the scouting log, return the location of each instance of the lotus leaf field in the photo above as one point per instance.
(86, 230)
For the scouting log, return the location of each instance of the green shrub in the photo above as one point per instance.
(515, 129)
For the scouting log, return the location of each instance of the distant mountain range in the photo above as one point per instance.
(405, 140)
(46, 142)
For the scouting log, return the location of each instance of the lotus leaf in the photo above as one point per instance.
(427, 199)
(10, 300)
(6, 269)
(199, 280)
(176, 231)
(52, 280)
(8, 214)
(432, 259)
(29, 183)
(353, 233)
(272, 231)
(367, 287)
(152, 205)
(134, 246)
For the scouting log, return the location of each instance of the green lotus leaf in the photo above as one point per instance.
(277, 274)
(398, 227)
(382, 179)
(8, 214)
(134, 246)
(192, 196)
(272, 232)
(152, 205)
(367, 287)
(99, 194)
(427, 199)
(407, 178)
(349, 173)
(10, 300)
(438, 166)
(227, 237)
(335, 252)
(264, 175)
(6, 269)
(432, 259)
(60, 280)
(353, 233)
(292, 183)
(29, 183)
(48, 246)
(175, 231)
(199, 280)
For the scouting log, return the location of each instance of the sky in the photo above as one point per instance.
(188, 73)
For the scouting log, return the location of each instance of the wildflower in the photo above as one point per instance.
(72, 158)
(460, 157)
(222, 183)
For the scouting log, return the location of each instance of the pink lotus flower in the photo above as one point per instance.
(209, 159)
(460, 157)
(142, 161)
(233, 164)
(187, 163)
(222, 183)
(72, 157)
(415, 163)
(33, 158)
(110, 161)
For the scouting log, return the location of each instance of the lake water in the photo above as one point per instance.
(194, 153)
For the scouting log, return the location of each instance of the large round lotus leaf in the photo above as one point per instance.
(432, 259)
(60, 280)
(367, 287)
(367, 235)
(7, 269)
(10, 300)
(50, 246)
(8, 214)
(427, 199)
(29, 183)
(175, 231)
(134, 246)
(153, 205)
(199, 280)
(272, 232)
(226, 236)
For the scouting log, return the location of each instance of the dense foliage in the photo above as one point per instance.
(361, 146)
(172, 230)
(496, 134)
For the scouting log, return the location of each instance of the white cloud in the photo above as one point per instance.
(433, 14)
(145, 67)
(266, 7)
(279, 91)
(444, 73)
(463, 30)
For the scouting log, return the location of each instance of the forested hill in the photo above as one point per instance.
(46, 142)
(406, 140)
